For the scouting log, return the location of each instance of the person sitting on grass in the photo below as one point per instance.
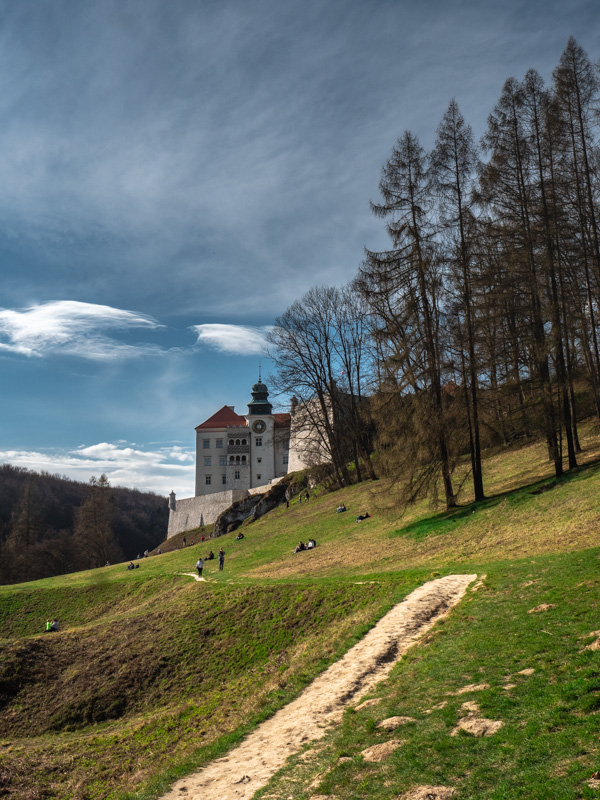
(300, 547)
(131, 565)
(54, 625)
(311, 544)
(210, 556)
(363, 516)
(239, 536)
(48, 626)
(340, 509)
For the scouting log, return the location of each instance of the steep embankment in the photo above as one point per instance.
(154, 675)
(139, 688)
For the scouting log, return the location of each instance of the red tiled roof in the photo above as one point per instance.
(224, 416)
(282, 420)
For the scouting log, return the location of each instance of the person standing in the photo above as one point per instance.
(199, 565)
(221, 558)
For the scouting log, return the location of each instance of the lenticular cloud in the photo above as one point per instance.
(69, 327)
(236, 339)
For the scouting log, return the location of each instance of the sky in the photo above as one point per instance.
(175, 173)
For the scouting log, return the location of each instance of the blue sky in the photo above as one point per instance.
(174, 173)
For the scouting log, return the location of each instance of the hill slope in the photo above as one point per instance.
(154, 674)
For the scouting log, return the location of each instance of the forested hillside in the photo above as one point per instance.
(51, 525)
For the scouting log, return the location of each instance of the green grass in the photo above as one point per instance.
(154, 674)
(548, 745)
(91, 711)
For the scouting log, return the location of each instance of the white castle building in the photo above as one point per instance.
(236, 456)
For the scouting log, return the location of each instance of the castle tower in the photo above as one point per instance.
(259, 405)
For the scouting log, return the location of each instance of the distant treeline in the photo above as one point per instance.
(481, 322)
(50, 525)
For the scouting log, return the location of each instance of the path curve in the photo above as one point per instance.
(248, 767)
(193, 575)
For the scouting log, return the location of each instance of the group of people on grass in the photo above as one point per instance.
(51, 625)
(341, 508)
(210, 557)
(310, 545)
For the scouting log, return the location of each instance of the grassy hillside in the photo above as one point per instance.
(153, 673)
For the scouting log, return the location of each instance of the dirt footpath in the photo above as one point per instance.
(247, 768)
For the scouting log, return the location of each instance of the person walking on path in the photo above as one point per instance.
(221, 558)
(199, 565)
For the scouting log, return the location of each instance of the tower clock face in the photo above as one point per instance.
(259, 426)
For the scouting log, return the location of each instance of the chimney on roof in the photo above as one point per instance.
(231, 407)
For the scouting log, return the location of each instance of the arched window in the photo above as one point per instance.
(231, 459)
(237, 441)
(243, 459)
(231, 442)
(244, 442)
(237, 459)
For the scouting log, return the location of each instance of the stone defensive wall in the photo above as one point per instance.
(191, 512)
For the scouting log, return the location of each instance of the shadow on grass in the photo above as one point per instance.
(447, 521)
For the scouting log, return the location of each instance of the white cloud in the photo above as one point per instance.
(159, 470)
(69, 327)
(237, 339)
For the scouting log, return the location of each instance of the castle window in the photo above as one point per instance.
(286, 444)
(236, 475)
(231, 459)
(237, 459)
(222, 461)
(244, 442)
(231, 442)
(243, 459)
(258, 477)
(207, 461)
(224, 481)
(237, 441)
(205, 444)
(259, 460)
(258, 441)
(207, 479)
(220, 443)
(285, 459)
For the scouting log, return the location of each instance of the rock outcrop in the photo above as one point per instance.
(250, 508)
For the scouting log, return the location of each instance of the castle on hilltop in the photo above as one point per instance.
(237, 456)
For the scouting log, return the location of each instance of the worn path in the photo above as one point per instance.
(247, 768)
(194, 576)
